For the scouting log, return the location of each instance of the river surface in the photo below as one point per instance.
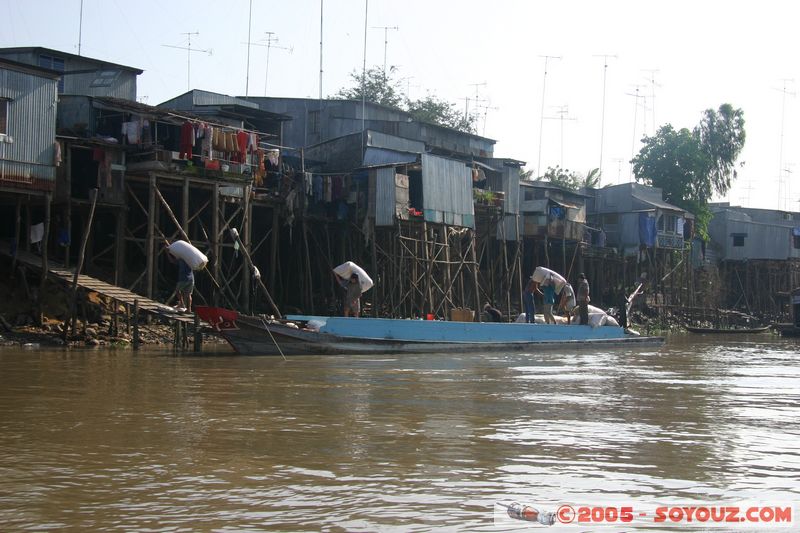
(113, 440)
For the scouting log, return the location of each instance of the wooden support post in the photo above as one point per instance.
(216, 248)
(375, 270)
(136, 340)
(198, 334)
(17, 234)
(309, 277)
(119, 248)
(150, 248)
(45, 267)
(81, 253)
(28, 226)
(247, 276)
(273, 252)
(185, 207)
(448, 275)
(474, 259)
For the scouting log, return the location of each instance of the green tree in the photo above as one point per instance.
(383, 88)
(437, 111)
(690, 166)
(563, 178)
(572, 181)
(675, 162)
(379, 87)
(592, 179)
(721, 134)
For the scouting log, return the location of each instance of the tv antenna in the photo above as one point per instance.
(561, 111)
(636, 96)
(603, 115)
(385, 41)
(541, 114)
(782, 178)
(269, 43)
(189, 51)
(653, 85)
(486, 109)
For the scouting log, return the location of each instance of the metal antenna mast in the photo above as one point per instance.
(189, 51)
(653, 85)
(562, 112)
(385, 42)
(541, 114)
(80, 29)
(603, 115)
(635, 116)
(782, 193)
(320, 53)
(249, 27)
(269, 43)
(486, 109)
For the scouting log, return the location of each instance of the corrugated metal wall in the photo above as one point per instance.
(28, 160)
(761, 241)
(384, 196)
(447, 191)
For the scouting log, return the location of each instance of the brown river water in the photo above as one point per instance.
(152, 441)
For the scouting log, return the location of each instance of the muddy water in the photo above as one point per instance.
(104, 440)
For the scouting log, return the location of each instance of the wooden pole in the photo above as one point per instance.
(198, 334)
(475, 278)
(216, 248)
(17, 232)
(119, 248)
(136, 340)
(45, 239)
(151, 236)
(70, 321)
(246, 254)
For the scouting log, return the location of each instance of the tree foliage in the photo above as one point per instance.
(438, 111)
(378, 87)
(572, 181)
(721, 134)
(690, 166)
(383, 88)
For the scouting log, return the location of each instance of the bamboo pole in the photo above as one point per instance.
(70, 320)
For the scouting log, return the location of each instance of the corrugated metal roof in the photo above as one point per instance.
(655, 203)
(374, 157)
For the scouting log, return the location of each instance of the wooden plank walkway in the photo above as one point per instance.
(120, 294)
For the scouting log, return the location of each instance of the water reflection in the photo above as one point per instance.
(113, 440)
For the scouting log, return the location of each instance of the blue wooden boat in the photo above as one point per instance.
(318, 335)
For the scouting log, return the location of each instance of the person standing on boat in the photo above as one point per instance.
(494, 314)
(549, 297)
(583, 299)
(527, 300)
(567, 302)
(352, 296)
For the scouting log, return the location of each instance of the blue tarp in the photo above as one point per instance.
(647, 230)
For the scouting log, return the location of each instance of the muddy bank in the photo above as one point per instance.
(21, 324)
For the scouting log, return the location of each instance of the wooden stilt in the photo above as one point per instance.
(81, 253)
(45, 267)
(136, 340)
(150, 249)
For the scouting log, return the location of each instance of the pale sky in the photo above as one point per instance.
(684, 57)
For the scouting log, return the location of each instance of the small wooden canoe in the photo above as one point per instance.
(725, 331)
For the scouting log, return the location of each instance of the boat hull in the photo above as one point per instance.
(255, 336)
(722, 331)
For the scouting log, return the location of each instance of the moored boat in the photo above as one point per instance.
(760, 329)
(316, 335)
